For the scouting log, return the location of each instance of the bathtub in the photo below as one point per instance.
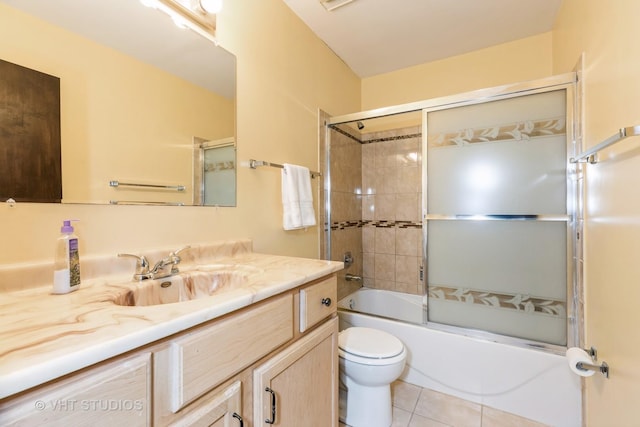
(393, 305)
(526, 382)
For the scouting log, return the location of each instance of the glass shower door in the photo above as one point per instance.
(497, 216)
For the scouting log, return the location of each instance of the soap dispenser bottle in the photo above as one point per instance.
(66, 274)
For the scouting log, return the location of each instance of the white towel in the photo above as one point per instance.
(297, 199)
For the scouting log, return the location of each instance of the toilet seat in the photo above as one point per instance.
(370, 346)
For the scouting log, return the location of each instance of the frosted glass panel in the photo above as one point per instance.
(517, 257)
(505, 157)
(501, 157)
(220, 176)
(507, 277)
(519, 324)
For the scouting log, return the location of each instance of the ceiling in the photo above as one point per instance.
(379, 36)
(141, 32)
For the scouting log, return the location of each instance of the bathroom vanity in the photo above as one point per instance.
(260, 352)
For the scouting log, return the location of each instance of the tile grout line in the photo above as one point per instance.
(415, 405)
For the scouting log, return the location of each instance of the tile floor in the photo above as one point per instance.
(414, 406)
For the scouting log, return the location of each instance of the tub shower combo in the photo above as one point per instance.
(459, 219)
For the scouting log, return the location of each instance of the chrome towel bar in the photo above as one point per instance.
(116, 183)
(133, 202)
(591, 155)
(253, 164)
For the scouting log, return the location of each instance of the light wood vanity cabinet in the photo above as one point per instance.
(298, 386)
(301, 374)
(195, 362)
(222, 409)
(116, 392)
(192, 364)
(214, 374)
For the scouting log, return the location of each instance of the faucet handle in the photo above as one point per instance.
(175, 259)
(142, 265)
(175, 253)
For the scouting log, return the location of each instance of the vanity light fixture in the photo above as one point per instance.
(196, 15)
(334, 4)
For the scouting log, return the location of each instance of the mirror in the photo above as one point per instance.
(135, 92)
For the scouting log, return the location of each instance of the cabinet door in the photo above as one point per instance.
(222, 410)
(116, 393)
(299, 386)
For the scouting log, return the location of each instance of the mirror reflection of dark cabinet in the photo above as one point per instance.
(30, 165)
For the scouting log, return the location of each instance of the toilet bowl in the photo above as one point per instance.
(370, 360)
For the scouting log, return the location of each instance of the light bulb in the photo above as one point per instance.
(211, 6)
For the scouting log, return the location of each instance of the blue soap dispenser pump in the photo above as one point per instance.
(66, 269)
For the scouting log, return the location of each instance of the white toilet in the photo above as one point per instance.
(370, 360)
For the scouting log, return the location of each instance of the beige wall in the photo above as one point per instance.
(608, 34)
(284, 75)
(521, 60)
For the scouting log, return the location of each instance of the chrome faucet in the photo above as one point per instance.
(159, 270)
(175, 259)
(142, 266)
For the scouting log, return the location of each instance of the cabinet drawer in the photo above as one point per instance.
(201, 360)
(317, 302)
(118, 391)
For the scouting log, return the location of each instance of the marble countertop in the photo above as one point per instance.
(46, 336)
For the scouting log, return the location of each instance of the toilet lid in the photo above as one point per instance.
(371, 343)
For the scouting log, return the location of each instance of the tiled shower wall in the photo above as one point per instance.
(391, 210)
(376, 208)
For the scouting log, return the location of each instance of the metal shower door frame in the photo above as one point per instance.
(565, 82)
